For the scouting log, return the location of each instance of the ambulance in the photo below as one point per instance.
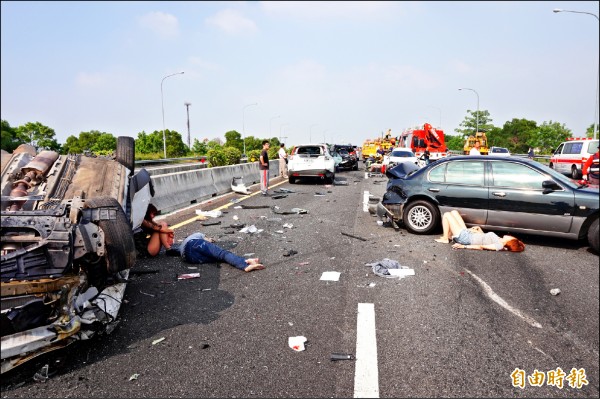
(570, 155)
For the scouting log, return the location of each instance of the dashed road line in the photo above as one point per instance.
(366, 373)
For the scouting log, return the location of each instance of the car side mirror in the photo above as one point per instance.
(549, 186)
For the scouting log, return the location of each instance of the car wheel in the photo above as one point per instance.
(118, 237)
(292, 179)
(421, 217)
(126, 152)
(331, 178)
(593, 237)
(355, 166)
(551, 166)
(574, 172)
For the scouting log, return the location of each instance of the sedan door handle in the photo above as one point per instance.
(434, 190)
(499, 194)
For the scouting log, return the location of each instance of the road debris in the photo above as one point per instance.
(293, 211)
(353, 236)
(211, 214)
(134, 377)
(250, 230)
(255, 206)
(297, 343)
(238, 186)
(555, 291)
(142, 292)
(156, 341)
(211, 223)
(389, 268)
(341, 356)
(279, 196)
(288, 225)
(290, 253)
(330, 276)
(187, 276)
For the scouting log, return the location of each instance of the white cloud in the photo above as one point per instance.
(91, 80)
(163, 24)
(330, 9)
(460, 67)
(199, 62)
(232, 22)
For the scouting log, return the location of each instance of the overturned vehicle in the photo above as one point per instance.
(66, 246)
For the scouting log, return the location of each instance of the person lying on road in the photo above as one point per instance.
(197, 248)
(474, 238)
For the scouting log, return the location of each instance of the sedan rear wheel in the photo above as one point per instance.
(421, 217)
(574, 172)
(593, 236)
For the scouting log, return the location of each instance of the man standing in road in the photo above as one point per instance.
(282, 161)
(263, 166)
(591, 168)
(475, 149)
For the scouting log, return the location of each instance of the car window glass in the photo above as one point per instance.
(465, 172)
(402, 154)
(559, 149)
(593, 147)
(508, 174)
(437, 173)
(309, 151)
(573, 148)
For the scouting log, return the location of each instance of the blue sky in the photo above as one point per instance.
(343, 72)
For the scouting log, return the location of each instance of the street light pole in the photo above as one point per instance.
(477, 125)
(597, 74)
(310, 132)
(187, 107)
(280, 127)
(270, 126)
(163, 110)
(244, 125)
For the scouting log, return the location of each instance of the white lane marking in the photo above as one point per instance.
(366, 374)
(366, 201)
(496, 298)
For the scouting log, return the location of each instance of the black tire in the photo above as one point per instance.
(574, 172)
(126, 152)
(355, 167)
(593, 236)
(331, 178)
(421, 217)
(119, 244)
(551, 166)
(292, 179)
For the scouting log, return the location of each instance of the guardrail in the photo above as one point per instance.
(178, 186)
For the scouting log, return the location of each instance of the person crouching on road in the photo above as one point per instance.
(282, 161)
(197, 248)
(159, 233)
(263, 166)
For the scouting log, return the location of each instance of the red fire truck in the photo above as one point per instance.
(420, 139)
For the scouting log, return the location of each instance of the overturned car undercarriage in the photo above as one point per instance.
(66, 246)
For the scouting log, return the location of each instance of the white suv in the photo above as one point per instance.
(311, 160)
(570, 156)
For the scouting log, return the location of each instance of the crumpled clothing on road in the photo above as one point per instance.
(381, 267)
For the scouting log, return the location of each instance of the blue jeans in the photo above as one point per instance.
(202, 251)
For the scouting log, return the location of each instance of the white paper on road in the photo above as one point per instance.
(330, 276)
(401, 272)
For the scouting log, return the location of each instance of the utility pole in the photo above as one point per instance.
(187, 106)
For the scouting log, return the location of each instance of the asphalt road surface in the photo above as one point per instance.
(467, 324)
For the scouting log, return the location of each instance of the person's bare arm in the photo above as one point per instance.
(489, 247)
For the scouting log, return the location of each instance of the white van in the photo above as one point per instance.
(570, 156)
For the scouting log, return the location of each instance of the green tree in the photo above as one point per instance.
(589, 132)
(9, 138)
(234, 139)
(517, 134)
(469, 124)
(213, 144)
(548, 136)
(72, 146)
(38, 135)
(199, 147)
(454, 142)
(216, 157)
(253, 143)
(232, 155)
(153, 143)
(106, 143)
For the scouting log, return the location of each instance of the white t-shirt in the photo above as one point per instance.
(282, 153)
(474, 151)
